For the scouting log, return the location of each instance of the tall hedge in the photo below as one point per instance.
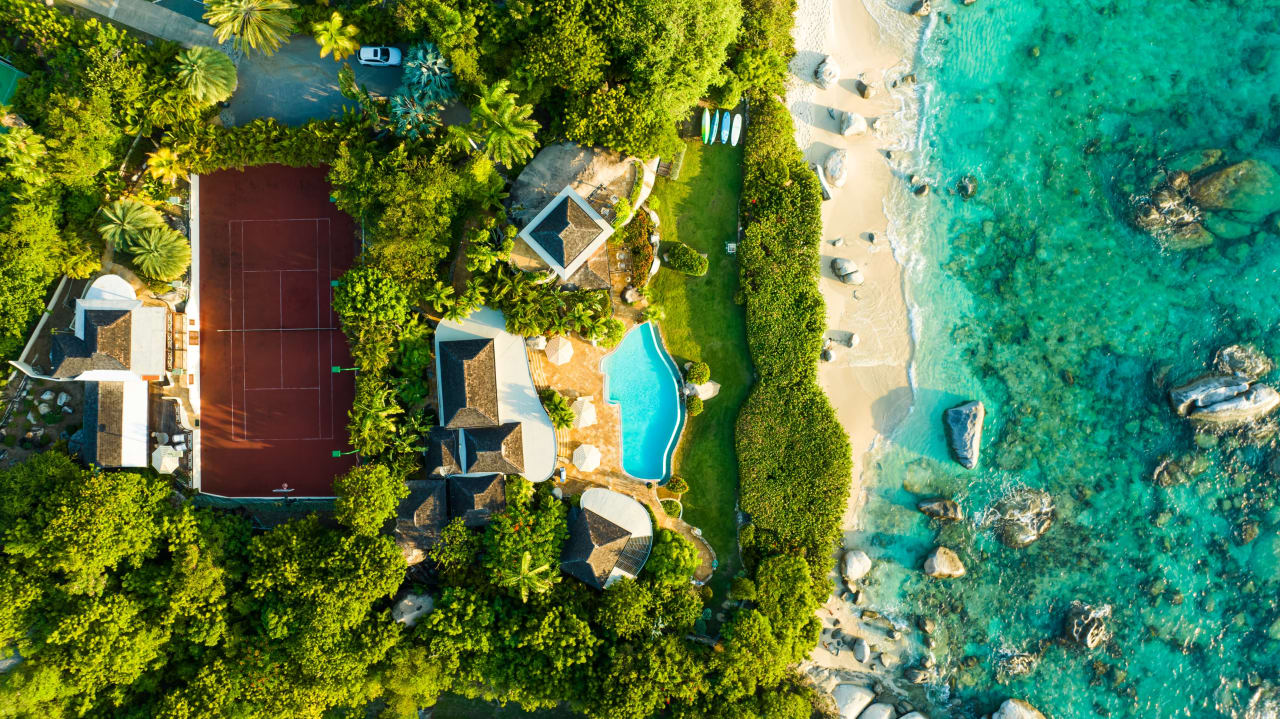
(794, 456)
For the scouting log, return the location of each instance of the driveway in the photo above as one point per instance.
(296, 84)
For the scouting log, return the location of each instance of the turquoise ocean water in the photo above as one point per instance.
(1039, 297)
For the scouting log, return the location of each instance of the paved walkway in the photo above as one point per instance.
(150, 19)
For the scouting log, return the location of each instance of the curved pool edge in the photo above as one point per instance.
(668, 460)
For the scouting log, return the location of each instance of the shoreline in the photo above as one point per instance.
(869, 384)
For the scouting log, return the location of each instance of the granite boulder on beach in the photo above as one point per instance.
(855, 565)
(963, 424)
(827, 72)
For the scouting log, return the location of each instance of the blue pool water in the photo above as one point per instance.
(643, 381)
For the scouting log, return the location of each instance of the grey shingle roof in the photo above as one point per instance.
(422, 515)
(468, 384)
(441, 458)
(565, 231)
(107, 343)
(496, 449)
(476, 499)
(594, 547)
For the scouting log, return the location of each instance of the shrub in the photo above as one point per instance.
(557, 408)
(671, 507)
(677, 485)
(699, 373)
(693, 403)
(743, 589)
(683, 258)
(673, 558)
(621, 212)
(611, 333)
(373, 309)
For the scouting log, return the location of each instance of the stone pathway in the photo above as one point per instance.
(150, 19)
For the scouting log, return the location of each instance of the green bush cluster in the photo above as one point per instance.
(698, 373)
(677, 485)
(683, 258)
(793, 455)
(205, 148)
(693, 405)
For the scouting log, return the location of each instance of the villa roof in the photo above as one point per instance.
(593, 274)
(477, 498)
(107, 343)
(103, 423)
(496, 449)
(595, 545)
(468, 384)
(422, 514)
(441, 458)
(565, 230)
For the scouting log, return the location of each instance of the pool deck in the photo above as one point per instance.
(582, 376)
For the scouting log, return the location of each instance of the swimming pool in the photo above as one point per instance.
(642, 379)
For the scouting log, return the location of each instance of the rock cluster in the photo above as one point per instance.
(1023, 516)
(963, 424)
(1086, 625)
(1232, 396)
(1198, 199)
(1017, 709)
(847, 271)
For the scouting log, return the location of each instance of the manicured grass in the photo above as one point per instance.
(703, 324)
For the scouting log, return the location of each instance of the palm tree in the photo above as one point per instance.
(207, 75)
(507, 130)
(438, 296)
(427, 75)
(333, 36)
(262, 25)
(160, 253)
(527, 579)
(372, 419)
(126, 219)
(164, 166)
(23, 149)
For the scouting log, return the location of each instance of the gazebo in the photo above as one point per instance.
(559, 350)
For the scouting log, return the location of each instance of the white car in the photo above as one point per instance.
(379, 55)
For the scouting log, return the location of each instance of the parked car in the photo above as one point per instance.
(379, 55)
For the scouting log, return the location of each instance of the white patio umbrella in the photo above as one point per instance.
(586, 458)
(165, 459)
(584, 412)
(559, 350)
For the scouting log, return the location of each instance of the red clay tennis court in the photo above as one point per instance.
(272, 411)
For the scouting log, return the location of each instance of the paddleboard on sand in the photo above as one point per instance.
(724, 127)
(706, 126)
(737, 130)
(715, 127)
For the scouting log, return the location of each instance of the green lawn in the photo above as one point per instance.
(703, 323)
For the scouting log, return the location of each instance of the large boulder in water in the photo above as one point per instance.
(827, 72)
(944, 509)
(1188, 237)
(1244, 360)
(1086, 625)
(851, 699)
(963, 424)
(1206, 390)
(855, 565)
(836, 167)
(1194, 161)
(943, 564)
(877, 711)
(1258, 402)
(1017, 709)
(1023, 516)
(1250, 188)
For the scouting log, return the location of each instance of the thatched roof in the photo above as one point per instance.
(595, 545)
(565, 230)
(476, 499)
(441, 458)
(496, 449)
(468, 384)
(422, 515)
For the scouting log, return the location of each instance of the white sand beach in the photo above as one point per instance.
(868, 382)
